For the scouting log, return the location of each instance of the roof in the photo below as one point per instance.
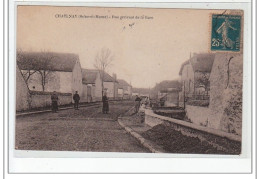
(200, 62)
(122, 83)
(50, 61)
(108, 78)
(89, 76)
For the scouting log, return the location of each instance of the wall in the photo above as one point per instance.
(199, 115)
(52, 81)
(22, 92)
(172, 99)
(85, 97)
(65, 82)
(226, 92)
(98, 88)
(120, 92)
(43, 99)
(77, 79)
(229, 143)
(110, 89)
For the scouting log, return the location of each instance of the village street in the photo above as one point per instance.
(86, 129)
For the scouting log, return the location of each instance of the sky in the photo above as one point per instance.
(148, 48)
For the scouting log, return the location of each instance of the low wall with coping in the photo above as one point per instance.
(43, 99)
(224, 141)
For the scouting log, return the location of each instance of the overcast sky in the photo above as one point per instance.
(146, 51)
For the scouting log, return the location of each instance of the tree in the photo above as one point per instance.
(44, 60)
(25, 73)
(36, 64)
(103, 60)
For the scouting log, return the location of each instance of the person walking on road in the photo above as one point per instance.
(76, 99)
(54, 101)
(137, 103)
(105, 104)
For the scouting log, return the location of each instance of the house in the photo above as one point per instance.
(91, 85)
(195, 74)
(111, 85)
(169, 96)
(124, 89)
(49, 71)
(22, 92)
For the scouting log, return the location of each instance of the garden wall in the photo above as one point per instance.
(226, 92)
(43, 99)
(221, 140)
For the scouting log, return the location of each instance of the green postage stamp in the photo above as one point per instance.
(225, 34)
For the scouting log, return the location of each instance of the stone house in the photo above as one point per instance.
(124, 89)
(195, 74)
(91, 85)
(111, 86)
(49, 71)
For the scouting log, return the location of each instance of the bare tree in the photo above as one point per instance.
(44, 60)
(39, 64)
(25, 73)
(103, 60)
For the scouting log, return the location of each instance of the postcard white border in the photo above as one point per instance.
(93, 162)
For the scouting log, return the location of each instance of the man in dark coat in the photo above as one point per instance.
(76, 99)
(54, 101)
(137, 103)
(105, 104)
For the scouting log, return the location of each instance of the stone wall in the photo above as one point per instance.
(221, 140)
(43, 99)
(198, 115)
(152, 119)
(226, 92)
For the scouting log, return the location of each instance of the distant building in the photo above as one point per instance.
(169, 96)
(124, 89)
(48, 71)
(195, 74)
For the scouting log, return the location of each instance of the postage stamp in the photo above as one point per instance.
(225, 32)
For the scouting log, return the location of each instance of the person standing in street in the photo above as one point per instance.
(76, 99)
(54, 101)
(105, 104)
(137, 103)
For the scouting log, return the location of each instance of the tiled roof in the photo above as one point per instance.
(200, 62)
(47, 61)
(89, 76)
(122, 83)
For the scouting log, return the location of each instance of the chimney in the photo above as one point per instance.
(114, 76)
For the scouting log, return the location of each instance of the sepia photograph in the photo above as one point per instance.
(129, 80)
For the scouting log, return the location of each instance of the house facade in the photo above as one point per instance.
(22, 92)
(195, 74)
(91, 85)
(111, 86)
(48, 72)
(124, 89)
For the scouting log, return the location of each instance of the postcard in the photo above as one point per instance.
(129, 80)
